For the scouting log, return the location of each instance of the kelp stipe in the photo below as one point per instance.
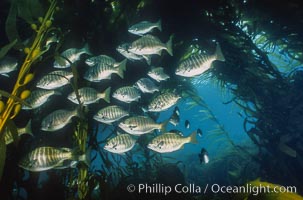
(12, 107)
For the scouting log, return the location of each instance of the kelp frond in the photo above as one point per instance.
(13, 107)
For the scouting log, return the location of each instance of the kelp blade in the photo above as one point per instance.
(6, 48)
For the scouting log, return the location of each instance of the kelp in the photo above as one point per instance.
(25, 9)
(6, 48)
(13, 106)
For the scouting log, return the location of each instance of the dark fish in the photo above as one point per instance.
(203, 156)
(175, 118)
(199, 132)
(187, 124)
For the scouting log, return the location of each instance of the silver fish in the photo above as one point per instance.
(148, 45)
(144, 27)
(158, 74)
(8, 136)
(110, 114)
(120, 144)
(163, 101)
(89, 95)
(45, 158)
(127, 94)
(123, 49)
(139, 125)
(58, 119)
(7, 65)
(54, 80)
(38, 97)
(197, 64)
(103, 72)
(171, 141)
(72, 54)
(146, 85)
(102, 60)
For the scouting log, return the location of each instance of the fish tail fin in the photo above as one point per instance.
(106, 95)
(163, 126)
(122, 68)
(84, 157)
(193, 137)
(169, 45)
(219, 54)
(86, 50)
(159, 25)
(27, 129)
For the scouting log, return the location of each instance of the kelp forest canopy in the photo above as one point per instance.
(262, 42)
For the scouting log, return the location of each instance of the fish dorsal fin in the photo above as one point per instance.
(150, 36)
(176, 132)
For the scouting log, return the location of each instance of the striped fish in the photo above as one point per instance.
(110, 114)
(7, 65)
(72, 54)
(54, 80)
(102, 60)
(123, 49)
(197, 64)
(146, 85)
(120, 144)
(45, 158)
(58, 119)
(144, 27)
(8, 137)
(148, 44)
(139, 125)
(157, 74)
(102, 72)
(89, 95)
(38, 97)
(127, 94)
(163, 101)
(171, 141)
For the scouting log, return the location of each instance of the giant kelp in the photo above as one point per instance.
(259, 82)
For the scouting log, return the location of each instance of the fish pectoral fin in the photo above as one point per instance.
(6, 75)
(32, 163)
(61, 165)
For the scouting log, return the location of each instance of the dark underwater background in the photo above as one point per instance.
(249, 108)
